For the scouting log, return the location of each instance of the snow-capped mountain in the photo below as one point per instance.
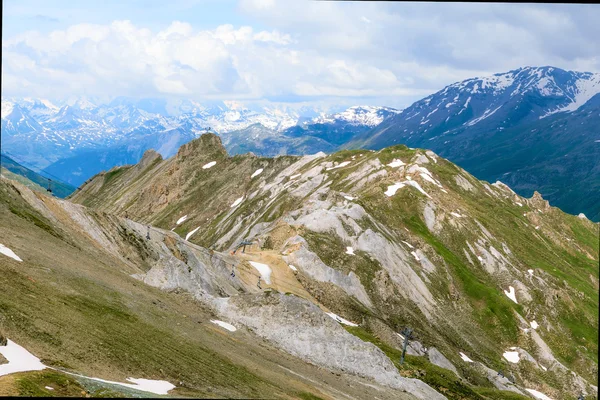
(60, 130)
(357, 115)
(15, 119)
(81, 137)
(533, 128)
(496, 102)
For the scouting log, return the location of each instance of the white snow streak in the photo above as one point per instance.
(264, 270)
(257, 172)
(237, 202)
(534, 324)
(350, 250)
(340, 165)
(210, 164)
(391, 190)
(511, 356)
(419, 188)
(191, 233)
(538, 395)
(485, 115)
(465, 358)
(225, 325)
(396, 163)
(340, 319)
(9, 253)
(19, 359)
(180, 220)
(511, 294)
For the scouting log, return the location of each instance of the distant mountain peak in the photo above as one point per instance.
(359, 115)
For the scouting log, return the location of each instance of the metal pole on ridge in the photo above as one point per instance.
(406, 332)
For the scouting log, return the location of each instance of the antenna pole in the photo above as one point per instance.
(406, 332)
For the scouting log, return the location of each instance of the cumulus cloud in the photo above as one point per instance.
(393, 53)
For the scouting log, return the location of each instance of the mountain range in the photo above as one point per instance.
(142, 276)
(347, 250)
(77, 141)
(534, 128)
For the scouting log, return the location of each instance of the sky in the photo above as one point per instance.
(287, 52)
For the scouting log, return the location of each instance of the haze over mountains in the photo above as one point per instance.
(532, 128)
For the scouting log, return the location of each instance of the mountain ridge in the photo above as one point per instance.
(483, 122)
(400, 235)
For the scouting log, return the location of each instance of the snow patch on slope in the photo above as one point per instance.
(9, 253)
(340, 319)
(511, 294)
(225, 325)
(19, 359)
(264, 270)
(191, 233)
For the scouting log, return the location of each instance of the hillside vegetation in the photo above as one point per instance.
(388, 239)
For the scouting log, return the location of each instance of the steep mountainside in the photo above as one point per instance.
(536, 128)
(322, 133)
(78, 299)
(487, 279)
(269, 143)
(33, 180)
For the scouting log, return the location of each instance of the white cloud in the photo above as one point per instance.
(393, 53)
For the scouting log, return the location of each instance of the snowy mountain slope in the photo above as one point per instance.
(60, 132)
(491, 119)
(357, 115)
(79, 139)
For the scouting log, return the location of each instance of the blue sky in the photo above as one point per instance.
(294, 51)
(46, 16)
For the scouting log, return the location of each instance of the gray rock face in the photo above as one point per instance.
(199, 274)
(464, 183)
(303, 330)
(310, 264)
(437, 358)
(395, 261)
(498, 381)
(429, 216)
(365, 173)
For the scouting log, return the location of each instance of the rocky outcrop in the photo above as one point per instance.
(310, 264)
(303, 330)
(500, 382)
(437, 358)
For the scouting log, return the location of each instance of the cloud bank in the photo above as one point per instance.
(378, 53)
